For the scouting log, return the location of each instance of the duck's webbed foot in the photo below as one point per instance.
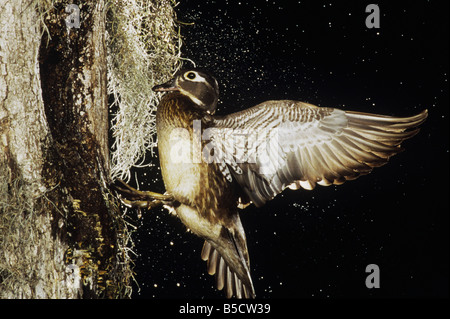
(132, 197)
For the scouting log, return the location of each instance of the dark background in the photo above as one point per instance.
(318, 243)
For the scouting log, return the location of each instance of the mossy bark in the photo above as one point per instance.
(54, 157)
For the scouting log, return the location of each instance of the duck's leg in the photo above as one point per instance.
(141, 203)
(132, 197)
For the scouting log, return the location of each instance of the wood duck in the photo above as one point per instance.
(250, 157)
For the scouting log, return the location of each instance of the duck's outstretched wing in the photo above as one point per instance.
(279, 144)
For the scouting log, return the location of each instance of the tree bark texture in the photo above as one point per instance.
(61, 231)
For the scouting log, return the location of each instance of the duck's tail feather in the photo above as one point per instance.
(226, 278)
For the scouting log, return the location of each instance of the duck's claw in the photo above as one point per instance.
(135, 198)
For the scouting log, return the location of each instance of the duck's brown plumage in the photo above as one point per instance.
(213, 196)
(308, 146)
(207, 202)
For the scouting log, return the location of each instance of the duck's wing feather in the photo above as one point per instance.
(279, 144)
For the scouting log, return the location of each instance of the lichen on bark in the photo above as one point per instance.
(62, 233)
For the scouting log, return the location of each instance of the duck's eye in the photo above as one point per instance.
(190, 75)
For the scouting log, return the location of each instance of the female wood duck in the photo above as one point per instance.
(231, 161)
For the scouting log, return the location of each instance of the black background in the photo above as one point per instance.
(318, 243)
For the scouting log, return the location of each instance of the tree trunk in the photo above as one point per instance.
(61, 234)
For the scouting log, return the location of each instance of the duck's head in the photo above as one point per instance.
(198, 85)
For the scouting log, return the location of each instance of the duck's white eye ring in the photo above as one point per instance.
(190, 75)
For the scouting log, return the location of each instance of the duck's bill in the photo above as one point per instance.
(166, 87)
